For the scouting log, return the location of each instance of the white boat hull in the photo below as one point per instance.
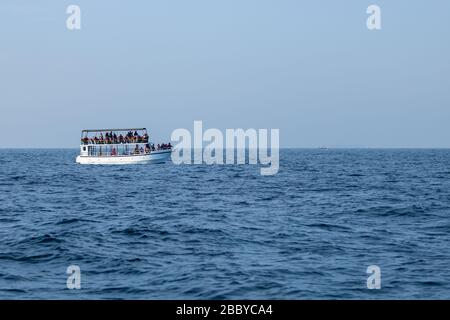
(153, 157)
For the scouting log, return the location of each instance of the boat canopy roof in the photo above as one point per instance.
(116, 130)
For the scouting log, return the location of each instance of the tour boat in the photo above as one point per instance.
(120, 146)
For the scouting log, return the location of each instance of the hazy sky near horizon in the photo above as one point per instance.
(310, 68)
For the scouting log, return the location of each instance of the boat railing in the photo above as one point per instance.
(109, 153)
(121, 149)
(111, 142)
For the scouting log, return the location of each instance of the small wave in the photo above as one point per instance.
(35, 258)
(393, 211)
(329, 227)
(140, 232)
(71, 221)
(46, 238)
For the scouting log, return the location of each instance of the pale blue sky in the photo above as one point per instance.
(309, 68)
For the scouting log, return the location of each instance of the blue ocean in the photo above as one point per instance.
(165, 231)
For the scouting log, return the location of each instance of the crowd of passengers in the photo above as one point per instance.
(112, 138)
(163, 146)
(141, 150)
(152, 147)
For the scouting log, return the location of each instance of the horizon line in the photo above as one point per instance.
(284, 147)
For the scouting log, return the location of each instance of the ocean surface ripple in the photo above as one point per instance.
(163, 231)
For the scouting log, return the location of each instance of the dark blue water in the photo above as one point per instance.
(226, 232)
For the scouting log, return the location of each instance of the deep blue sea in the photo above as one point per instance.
(162, 231)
